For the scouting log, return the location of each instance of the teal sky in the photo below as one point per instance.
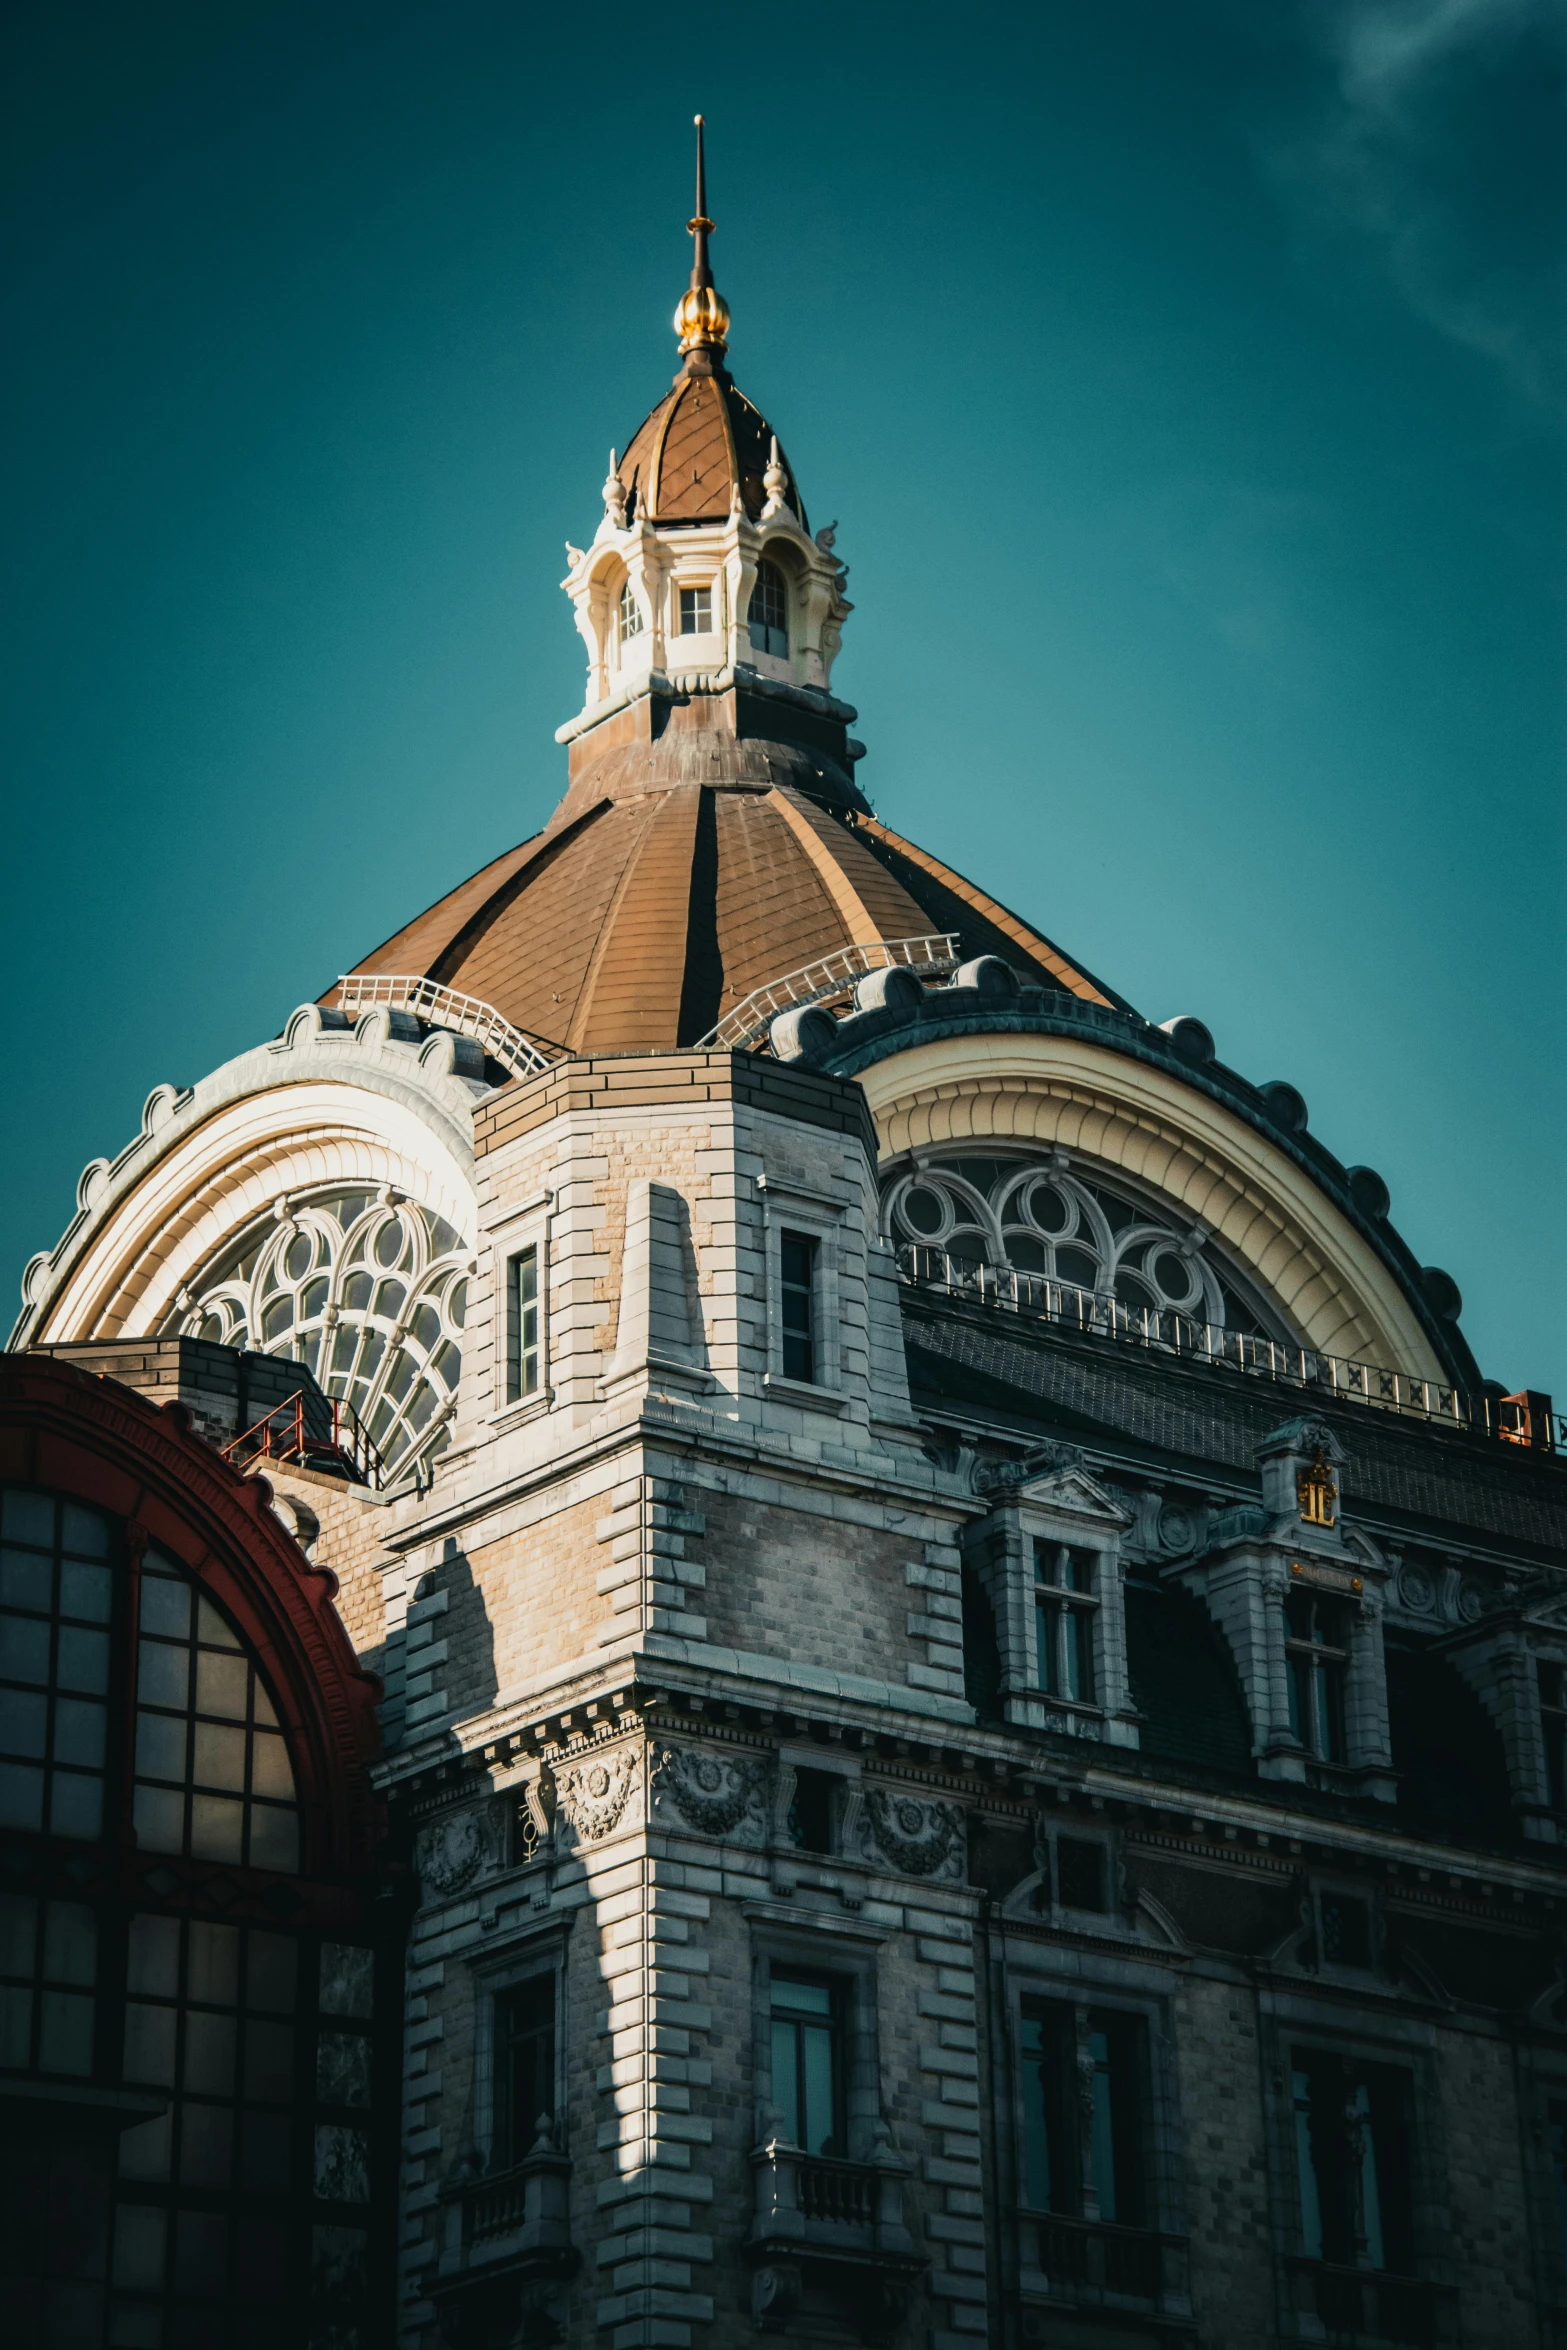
(1182, 379)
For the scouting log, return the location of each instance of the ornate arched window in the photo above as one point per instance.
(628, 615)
(191, 1975)
(368, 1290)
(1050, 1219)
(768, 616)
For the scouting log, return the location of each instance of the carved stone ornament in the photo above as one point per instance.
(593, 1794)
(452, 1851)
(922, 1839)
(1045, 1460)
(1417, 1589)
(718, 1794)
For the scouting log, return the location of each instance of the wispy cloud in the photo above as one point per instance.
(1436, 139)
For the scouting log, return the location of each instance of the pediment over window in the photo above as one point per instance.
(1054, 1477)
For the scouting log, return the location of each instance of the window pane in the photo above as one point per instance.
(24, 1723)
(209, 2053)
(219, 1757)
(138, 2248)
(149, 2044)
(83, 1659)
(270, 1773)
(76, 1805)
(212, 1972)
(79, 1731)
(217, 1828)
(786, 2081)
(212, 1629)
(821, 2121)
(84, 1532)
(18, 1933)
(153, 1962)
(165, 1606)
(86, 1591)
(65, 2033)
(221, 1683)
(26, 1580)
(801, 1998)
(27, 1517)
(161, 1743)
(163, 1674)
(16, 2027)
(160, 1819)
(274, 1837)
(273, 1973)
(21, 1796)
(24, 1649)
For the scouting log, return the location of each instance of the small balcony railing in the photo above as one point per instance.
(804, 2199)
(842, 2192)
(1092, 2261)
(1371, 2306)
(518, 2219)
(314, 1431)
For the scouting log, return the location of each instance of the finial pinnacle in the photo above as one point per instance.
(702, 319)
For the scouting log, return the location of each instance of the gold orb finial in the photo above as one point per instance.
(702, 314)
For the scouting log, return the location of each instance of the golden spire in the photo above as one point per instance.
(702, 318)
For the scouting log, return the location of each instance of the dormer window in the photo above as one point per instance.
(1316, 1646)
(696, 611)
(1064, 1611)
(768, 617)
(628, 615)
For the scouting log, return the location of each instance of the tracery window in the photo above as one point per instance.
(768, 615)
(1048, 1218)
(368, 1290)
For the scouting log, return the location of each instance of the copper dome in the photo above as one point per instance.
(703, 442)
(708, 845)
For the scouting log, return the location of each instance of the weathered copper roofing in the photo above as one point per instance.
(693, 860)
(701, 443)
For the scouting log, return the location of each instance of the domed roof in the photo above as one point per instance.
(703, 442)
(703, 850)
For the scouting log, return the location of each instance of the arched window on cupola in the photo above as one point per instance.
(628, 615)
(768, 617)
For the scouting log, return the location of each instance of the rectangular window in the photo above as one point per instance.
(807, 2060)
(1316, 1648)
(1553, 1721)
(696, 611)
(811, 1812)
(1346, 1930)
(1049, 2060)
(1080, 1874)
(797, 1305)
(1083, 2066)
(1064, 1610)
(524, 2066)
(1352, 2155)
(522, 1325)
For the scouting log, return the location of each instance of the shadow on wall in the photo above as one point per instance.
(440, 1663)
(1447, 1751)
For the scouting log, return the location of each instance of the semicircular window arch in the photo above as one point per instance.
(1057, 1220)
(368, 1289)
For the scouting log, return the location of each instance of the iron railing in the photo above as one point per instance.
(1093, 2259)
(816, 983)
(1517, 1419)
(312, 1430)
(443, 1007)
(1368, 2305)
